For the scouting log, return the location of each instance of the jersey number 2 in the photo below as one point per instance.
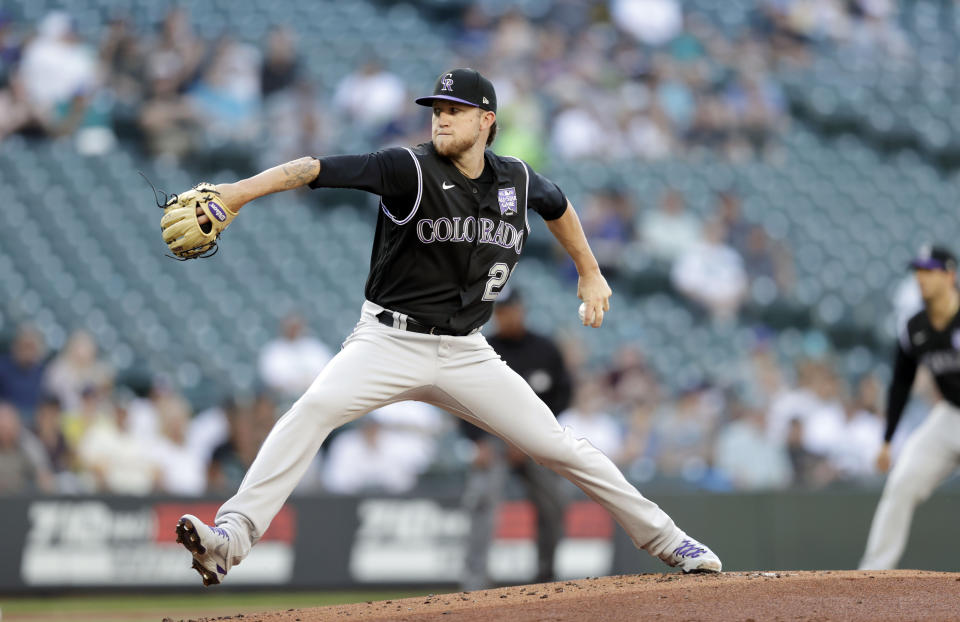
(499, 273)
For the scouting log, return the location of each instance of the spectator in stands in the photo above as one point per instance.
(416, 426)
(711, 124)
(182, 472)
(608, 223)
(170, 122)
(23, 464)
(16, 111)
(291, 362)
(113, 459)
(794, 402)
(178, 51)
(11, 47)
(58, 72)
(367, 458)
(632, 380)
(684, 434)
(762, 258)
(123, 63)
(674, 94)
(22, 370)
(576, 133)
(809, 469)
(760, 108)
(227, 96)
(649, 135)
(588, 419)
(712, 275)
(670, 231)
(370, 97)
(281, 66)
(824, 425)
(767, 262)
(639, 452)
(76, 368)
(94, 408)
(475, 31)
(729, 211)
(143, 410)
(48, 428)
(231, 459)
(521, 120)
(762, 378)
(747, 457)
(211, 427)
(514, 38)
(854, 454)
(296, 122)
(651, 22)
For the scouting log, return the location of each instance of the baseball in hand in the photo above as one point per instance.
(582, 310)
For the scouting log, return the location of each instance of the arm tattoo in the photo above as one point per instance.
(300, 172)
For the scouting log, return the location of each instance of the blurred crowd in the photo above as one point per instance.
(718, 262)
(642, 79)
(622, 79)
(68, 427)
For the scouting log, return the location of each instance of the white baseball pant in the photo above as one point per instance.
(379, 365)
(928, 457)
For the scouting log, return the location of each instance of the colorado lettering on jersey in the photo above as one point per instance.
(444, 229)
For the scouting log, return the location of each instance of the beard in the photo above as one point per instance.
(451, 147)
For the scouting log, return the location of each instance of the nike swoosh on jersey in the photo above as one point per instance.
(445, 186)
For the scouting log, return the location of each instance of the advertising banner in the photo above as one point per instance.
(316, 542)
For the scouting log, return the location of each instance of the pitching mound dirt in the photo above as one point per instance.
(897, 595)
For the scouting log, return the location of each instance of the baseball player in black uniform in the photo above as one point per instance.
(453, 220)
(932, 338)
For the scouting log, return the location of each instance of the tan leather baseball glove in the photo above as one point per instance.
(182, 231)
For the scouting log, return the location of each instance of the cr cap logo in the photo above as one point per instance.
(446, 83)
(217, 211)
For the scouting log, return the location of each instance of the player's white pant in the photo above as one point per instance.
(379, 365)
(928, 457)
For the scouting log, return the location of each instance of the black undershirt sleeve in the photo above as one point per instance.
(390, 173)
(904, 371)
(545, 197)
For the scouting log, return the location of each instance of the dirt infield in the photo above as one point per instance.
(742, 596)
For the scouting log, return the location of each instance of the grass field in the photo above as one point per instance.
(131, 608)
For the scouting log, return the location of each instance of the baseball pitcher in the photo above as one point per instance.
(453, 220)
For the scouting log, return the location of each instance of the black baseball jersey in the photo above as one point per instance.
(445, 245)
(939, 350)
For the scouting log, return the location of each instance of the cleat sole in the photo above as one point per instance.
(209, 578)
(707, 570)
(187, 536)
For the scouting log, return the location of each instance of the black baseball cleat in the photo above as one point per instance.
(210, 547)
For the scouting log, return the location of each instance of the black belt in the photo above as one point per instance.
(413, 326)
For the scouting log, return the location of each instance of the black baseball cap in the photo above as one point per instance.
(934, 258)
(466, 86)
